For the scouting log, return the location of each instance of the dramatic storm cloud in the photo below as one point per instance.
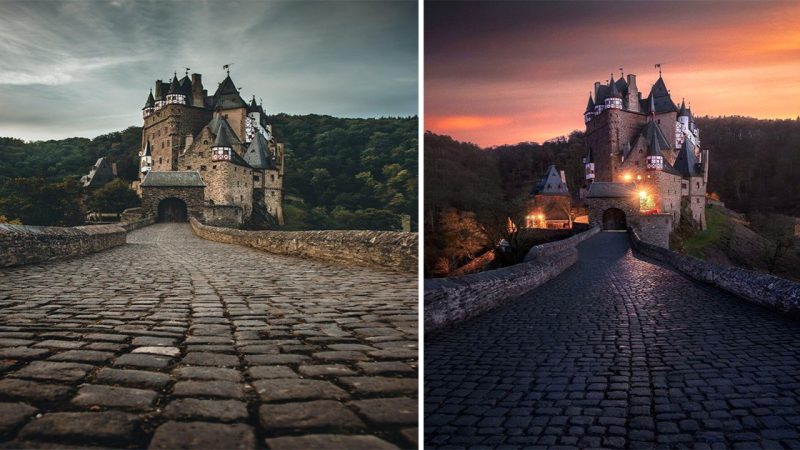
(505, 72)
(83, 68)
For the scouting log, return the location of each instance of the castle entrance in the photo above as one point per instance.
(172, 210)
(614, 219)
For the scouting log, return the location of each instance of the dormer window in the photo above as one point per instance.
(221, 153)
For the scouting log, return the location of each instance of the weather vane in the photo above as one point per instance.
(621, 73)
(187, 71)
(227, 67)
(658, 66)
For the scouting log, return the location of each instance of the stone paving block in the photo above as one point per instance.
(13, 415)
(223, 389)
(155, 350)
(257, 360)
(22, 352)
(32, 390)
(388, 410)
(59, 344)
(373, 368)
(106, 337)
(203, 435)
(150, 341)
(143, 361)
(340, 356)
(316, 414)
(93, 356)
(380, 385)
(262, 372)
(329, 442)
(53, 371)
(136, 378)
(208, 373)
(193, 408)
(298, 389)
(87, 427)
(324, 370)
(114, 397)
(210, 359)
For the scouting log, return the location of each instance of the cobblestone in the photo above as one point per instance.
(176, 342)
(616, 352)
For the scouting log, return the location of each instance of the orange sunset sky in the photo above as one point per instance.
(506, 72)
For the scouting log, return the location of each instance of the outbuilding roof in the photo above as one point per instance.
(183, 178)
(605, 189)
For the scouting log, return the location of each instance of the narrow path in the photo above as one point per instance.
(616, 352)
(173, 341)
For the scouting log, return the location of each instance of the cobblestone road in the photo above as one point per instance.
(616, 352)
(173, 342)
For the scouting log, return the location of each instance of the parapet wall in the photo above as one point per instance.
(391, 250)
(449, 301)
(759, 288)
(23, 244)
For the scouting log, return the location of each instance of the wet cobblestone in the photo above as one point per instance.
(616, 352)
(174, 341)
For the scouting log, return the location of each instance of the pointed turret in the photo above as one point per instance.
(227, 95)
(589, 113)
(258, 155)
(149, 105)
(175, 95)
(175, 86)
(613, 97)
(660, 98)
(683, 112)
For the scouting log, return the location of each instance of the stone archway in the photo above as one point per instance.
(614, 219)
(172, 210)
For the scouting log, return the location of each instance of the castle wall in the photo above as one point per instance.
(237, 118)
(229, 184)
(166, 130)
(272, 183)
(655, 229)
(668, 187)
(229, 216)
(25, 244)
(606, 134)
(597, 206)
(697, 200)
(191, 195)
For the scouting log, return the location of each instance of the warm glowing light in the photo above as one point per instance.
(642, 194)
(541, 216)
(627, 177)
(638, 177)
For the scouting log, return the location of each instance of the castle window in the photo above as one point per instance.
(202, 167)
(698, 200)
(214, 167)
(273, 177)
(205, 142)
(160, 160)
(200, 154)
(241, 197)
(698, 185)
(659, 120)
(188, 167)
(256, 178)
(273, 193)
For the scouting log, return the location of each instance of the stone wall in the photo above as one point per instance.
(391, 250)
(229, 216)
(655, 229)
(449, 301)
(153, 195)
(23, 244)
(598, 205)
(759, 288)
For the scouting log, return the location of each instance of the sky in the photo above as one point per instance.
(85, 67)
(507, 72)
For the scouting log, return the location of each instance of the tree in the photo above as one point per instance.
(114, 197)
(779, 230)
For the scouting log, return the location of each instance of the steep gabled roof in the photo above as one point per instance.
(613, 92)
(173, 179)
(175, 86)
(551, 184)
(659, 98)
(622, 85)
(225, 136)
(227, 95)
(686, 163)
(683, 111)
(186, 85)
(590, 105)
(258, 154)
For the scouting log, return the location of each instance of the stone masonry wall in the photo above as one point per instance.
(229, 216)
(23, 244)
(192, 196)
(655, 229)
(449, 301)
(381, 249)
(759, 288)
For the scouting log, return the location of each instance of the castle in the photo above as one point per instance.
(644, 164)
(209, 156)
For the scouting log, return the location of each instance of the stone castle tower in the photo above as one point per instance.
(225, 141)
(644, 164)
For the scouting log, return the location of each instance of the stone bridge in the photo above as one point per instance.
(616, 352)
(172, 341)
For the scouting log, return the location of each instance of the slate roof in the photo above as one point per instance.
(175, 86)
(590, 105)
(604, 189)
(613, 91)
(551, 184)
(173, 179)
(223, 138)
(227, 95)
(150, 100)
(100, 174)
(659, 98)
(686, 163)
(226, 137)
(258, 154)
(186, 85)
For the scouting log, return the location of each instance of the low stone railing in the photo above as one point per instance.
(449, 301)
(24, 244)
(393, 250)
(766, 290)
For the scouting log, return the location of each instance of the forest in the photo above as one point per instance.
(341, 173)
(470, 192)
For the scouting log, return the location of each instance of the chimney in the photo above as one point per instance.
(596, 87)
(198, 93)
(158, 90)
(563, 177)
(189, 140)
(114, 169)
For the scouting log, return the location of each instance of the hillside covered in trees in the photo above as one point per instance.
(471, 192)
(341, 173)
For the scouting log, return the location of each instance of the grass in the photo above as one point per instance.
(717, 223)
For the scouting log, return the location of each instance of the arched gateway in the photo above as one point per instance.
(172, 210)
(614, 219)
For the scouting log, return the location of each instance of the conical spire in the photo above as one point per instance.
(613, 91)
(223, 139)
(175, 86)
(590, 105)
(257, 154)
(150, 101)
(652, 105)
(683, 111)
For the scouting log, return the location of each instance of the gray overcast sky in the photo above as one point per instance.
(84, 68)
